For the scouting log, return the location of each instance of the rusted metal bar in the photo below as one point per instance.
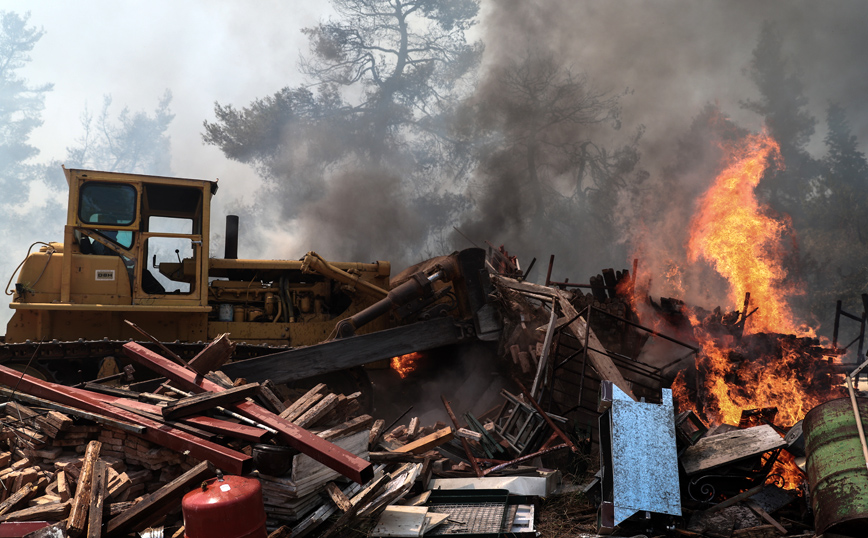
(225, 458)
(464, 443)
(329, 454)
(162, 346)
(646, 329)
(545, 417)
(524, 458)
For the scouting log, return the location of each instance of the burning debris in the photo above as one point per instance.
(669, 418)
(586, 378)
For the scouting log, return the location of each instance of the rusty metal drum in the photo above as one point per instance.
(226, 506)
(836, 468)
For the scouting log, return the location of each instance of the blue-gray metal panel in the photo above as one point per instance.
(644, 456)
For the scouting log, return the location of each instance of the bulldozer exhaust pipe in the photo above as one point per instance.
(231, 246)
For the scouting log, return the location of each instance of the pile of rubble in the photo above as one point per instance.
(103, 459)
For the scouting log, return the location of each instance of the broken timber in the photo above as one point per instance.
(342, 461)
(578, 326)
(172, 438)
(205, 401)
(328, 357)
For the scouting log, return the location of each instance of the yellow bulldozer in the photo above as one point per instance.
(137, 249)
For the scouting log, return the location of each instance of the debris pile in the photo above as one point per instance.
(638, 439)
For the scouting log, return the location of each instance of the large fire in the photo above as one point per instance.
(735, 233)
(740, 238)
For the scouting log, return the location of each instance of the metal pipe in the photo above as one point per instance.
(230, 248)
(225, 411)
(314, 263)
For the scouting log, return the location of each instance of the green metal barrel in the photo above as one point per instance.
(836, 467)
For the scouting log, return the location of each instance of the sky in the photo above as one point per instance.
(225, 51)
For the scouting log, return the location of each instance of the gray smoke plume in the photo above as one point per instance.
(670, 62)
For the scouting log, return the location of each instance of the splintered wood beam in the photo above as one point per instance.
(81, 504)
(351, 426)
(229, 460)
(42, 402)
(330, 455)
(159, 502)
(97, 499)
(205, 401)
(602, 363)
(215, 355)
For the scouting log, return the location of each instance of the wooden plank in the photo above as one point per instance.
(205, 401)
(395, 457)
(342, 461)
(413, 428)
(97, 499)
(424, 444)
(19, 496)
(351, 426)
(725, 448)
(215, 355)
(359, 501)
(159, 502)
(62, 486)
(317, 412)
(81, 503)
(525, 287)
(602, 363)
(328, 357)
(267, 394)
(298, 407)
(376, 432)
(44, 512)
(96, 417)
(340, 500)
(401, 521)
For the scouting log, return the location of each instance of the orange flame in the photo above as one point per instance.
(736, 234)
(405, 364)
(743, 242)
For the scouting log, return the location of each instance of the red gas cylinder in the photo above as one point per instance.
(225, 507)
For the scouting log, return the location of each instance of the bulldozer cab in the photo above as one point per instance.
(153, 230)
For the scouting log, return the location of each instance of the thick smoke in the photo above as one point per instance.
(674, 64)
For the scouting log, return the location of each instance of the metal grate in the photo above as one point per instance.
(470, 518)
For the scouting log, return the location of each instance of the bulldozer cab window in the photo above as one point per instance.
(107, 203)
